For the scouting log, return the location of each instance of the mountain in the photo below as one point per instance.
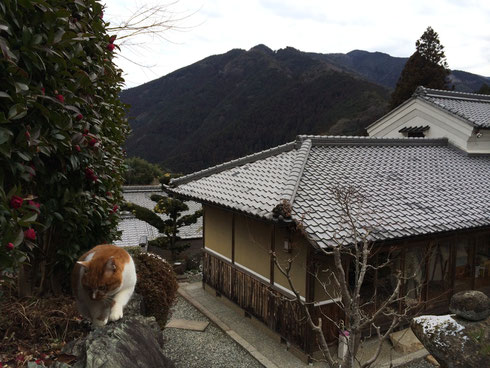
(240, 102)
(384, 69)
(230, 105)
(376, 67)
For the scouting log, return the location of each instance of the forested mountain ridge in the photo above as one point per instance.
(240, 102)
(229, 105)
(385, 70)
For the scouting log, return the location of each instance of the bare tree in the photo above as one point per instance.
(153, 20)
(350, 283)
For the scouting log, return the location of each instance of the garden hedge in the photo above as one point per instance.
(62, 127)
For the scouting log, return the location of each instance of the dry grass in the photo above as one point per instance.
(35, 328)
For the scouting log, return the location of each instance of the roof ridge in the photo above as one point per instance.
(233, 163)
(431, 92)
(141, 188)
(369, 140)
(291, 186)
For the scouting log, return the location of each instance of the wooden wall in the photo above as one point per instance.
(265, 302)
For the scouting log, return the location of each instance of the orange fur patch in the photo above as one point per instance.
(96, 274)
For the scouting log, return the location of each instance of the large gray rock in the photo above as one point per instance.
(133, 341)
(454, 341)
(471, 305)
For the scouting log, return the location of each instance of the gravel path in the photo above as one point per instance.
(211, 348)
(214, 348)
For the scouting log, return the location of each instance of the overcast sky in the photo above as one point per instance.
(209, 27)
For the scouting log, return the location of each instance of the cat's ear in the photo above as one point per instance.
(110, 264)
(84, 264)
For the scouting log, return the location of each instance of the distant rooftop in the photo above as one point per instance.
(133, 229)
(411, 186)
(473, 107)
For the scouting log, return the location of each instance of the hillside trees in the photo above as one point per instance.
(62, 126)
(140, 171)
(426, 67)
(484, 89)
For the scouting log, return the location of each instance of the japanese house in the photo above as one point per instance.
(420, 193)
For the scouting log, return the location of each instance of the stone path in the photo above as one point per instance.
(259, 343)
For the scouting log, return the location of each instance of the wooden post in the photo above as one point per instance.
(472, 259)
(425, 288)
(310, 299)
(272, 250)
(204, 244)
(403, 288)
(233, 238)
(452, 266)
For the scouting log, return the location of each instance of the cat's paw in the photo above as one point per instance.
(116, 313)
(98, 322)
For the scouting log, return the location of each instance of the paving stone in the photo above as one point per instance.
(187, 325)
(405, 341)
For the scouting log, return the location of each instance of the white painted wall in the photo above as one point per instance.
(417, 112)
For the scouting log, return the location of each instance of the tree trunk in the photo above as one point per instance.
(36, 278)
(24, 281)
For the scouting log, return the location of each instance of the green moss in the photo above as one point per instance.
(479, 337)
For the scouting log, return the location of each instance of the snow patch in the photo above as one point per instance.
(439, 326)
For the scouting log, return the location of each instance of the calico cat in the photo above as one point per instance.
(103, 281)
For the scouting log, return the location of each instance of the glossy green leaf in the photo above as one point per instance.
(19, 87)
(19, 238)
(17, 111)
(59, 35)
(28, 219)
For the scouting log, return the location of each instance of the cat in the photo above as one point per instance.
(103, 281)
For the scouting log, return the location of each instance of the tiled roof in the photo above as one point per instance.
(472, 107)
(132, 228)
(254, 184)
(410, 186)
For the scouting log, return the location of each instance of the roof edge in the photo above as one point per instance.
(430, 92)
(141, 188)
(233, 163)
(456, 114)
(399, 107)
(296, 172)
(319, 140)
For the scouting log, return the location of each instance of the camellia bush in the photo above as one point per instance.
(62, 127)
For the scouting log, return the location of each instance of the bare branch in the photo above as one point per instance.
(357, 263)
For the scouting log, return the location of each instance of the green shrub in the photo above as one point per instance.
(157, 284)
(62, 127)
(133, 251)
(141, 172)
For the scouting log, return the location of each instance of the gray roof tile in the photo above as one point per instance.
(411, 186)
(253, 187)
(474, 108)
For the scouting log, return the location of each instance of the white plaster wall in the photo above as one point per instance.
(479, 145)
(442, 125)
